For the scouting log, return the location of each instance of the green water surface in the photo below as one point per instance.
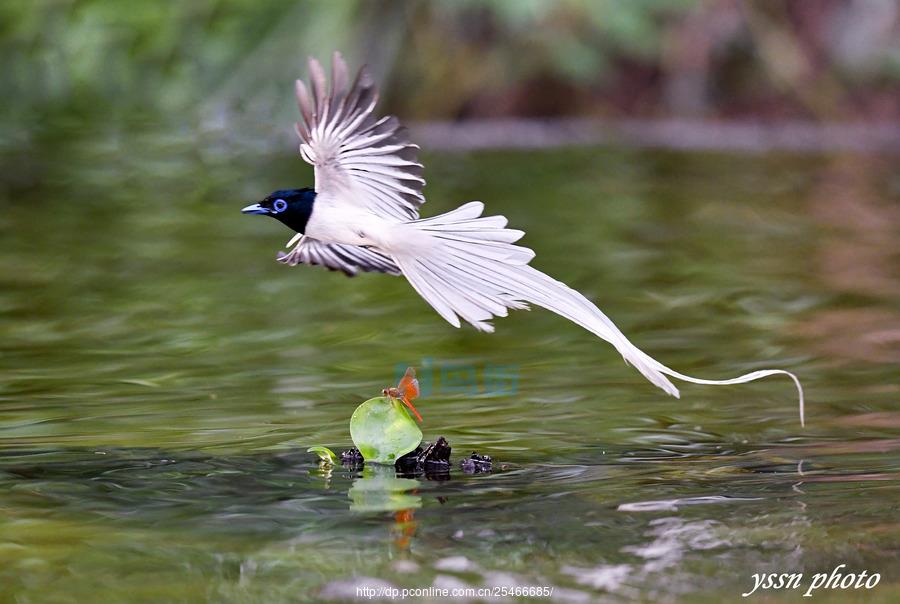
(161, 378)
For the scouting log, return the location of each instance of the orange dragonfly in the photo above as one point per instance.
(406, 391)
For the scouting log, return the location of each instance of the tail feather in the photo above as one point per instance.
(474, 272)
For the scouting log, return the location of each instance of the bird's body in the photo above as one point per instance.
(363, 215)
(335, 223)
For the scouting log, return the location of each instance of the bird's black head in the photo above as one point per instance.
(293, 207)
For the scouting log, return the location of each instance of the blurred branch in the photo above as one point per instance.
(789, 64)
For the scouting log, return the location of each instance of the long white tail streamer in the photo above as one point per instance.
(472, 270)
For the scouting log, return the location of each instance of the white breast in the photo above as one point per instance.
(342, 222)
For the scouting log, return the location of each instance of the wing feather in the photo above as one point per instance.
(349, 259)
(318, 84)
(306, 109)
(359, 159)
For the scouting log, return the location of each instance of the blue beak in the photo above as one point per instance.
(255, 209)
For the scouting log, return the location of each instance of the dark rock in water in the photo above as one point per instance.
(352, 458)
(476, 464)
(407, 464)
(433, 461)
(437, 451)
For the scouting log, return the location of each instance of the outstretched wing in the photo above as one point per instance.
(338, 257)
(409, 385)
(359, 159)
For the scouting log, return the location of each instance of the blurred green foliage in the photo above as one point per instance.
(107, 59)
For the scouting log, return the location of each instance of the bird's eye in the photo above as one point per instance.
(279, 206)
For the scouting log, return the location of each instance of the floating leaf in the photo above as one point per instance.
(325, 454)
(382, 430)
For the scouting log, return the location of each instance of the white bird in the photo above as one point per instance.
(364, 215)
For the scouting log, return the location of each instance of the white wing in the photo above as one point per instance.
(358, 159)
(338, 257)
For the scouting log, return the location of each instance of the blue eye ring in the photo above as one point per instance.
(279, 206)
